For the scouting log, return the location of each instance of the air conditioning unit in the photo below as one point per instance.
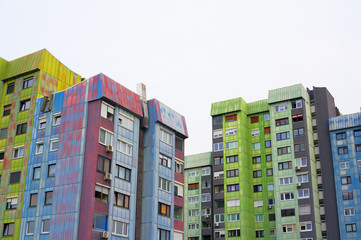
(207, 215)
(216, 224)
(298, 184)
(269, 206)
(104, 234)
(298, 167)
(108, 176)
(109, 148)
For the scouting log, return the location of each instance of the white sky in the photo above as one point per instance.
(191, 53)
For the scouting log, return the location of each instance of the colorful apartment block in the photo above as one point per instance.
(345, 134)
(95, 161)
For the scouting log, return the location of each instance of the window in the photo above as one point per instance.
(232, 173)
(21, 128)
(256, 146)
(255, 132)
(233, 217)
(206, 211)
(107, 111)
(297, 118)
(10, 88)
(165, 137)
(39, 148)
(304, 210)
(302, 178)
(51, 170)
(342, 150)
(281, 122)
(267, 130)
(178, 190)
(287, 212)
(231, 145)
(57, 119)
(256, 160)
(231, 131)
(15, 177)
(281, 108)
(7, 110)
(283, 136)
(18, 152)
(194, 199)
(233, 203)
(298, 132)
(303, 193)
(125, 147)
(2, 156)
(103, 164)
(126, 122)
(285, 165)
(296, 104)
(287, 196)
(218, 147)
(8, 229)
(121, 172)
(346, 180)
(106, 137)
(254, 119)
(344, 165)
(193, 174)
(283, 150)
(357, 133)
(179, 143)
(257, 174)
(289, 228)
(24, 105)
(232, 187)
(42, 123)
(193, 226)
(11, 203)
(358, 162)
(232, 159)
(120, 228)
(258, 218)
(269, 172)
(300, 147)
(218, 234)
(193, 212)
(219, 218)
(28, 82)
(266, 117)
(270, 187)
(268, 158)
(218, 189)
(272, 217)
(234, 233)
(206, 197)
(351, 227)
(258, 203)
(218, 161)
(3, 133)
(178, 167)
(36, 173)
(349, 211)
(54, 144)
(267, 144)
(347, 195)
(165, 160)
(218, 133)
(259, 233)
(48, 198)
(121, 200)
(30, 226)
(206, 171)
(305, 226)
(45, 226)
(33, 199)
(286, 180)
(163, 234)
(358, 147)
(163, 209)
(217, 120)
(101, 193)
(100, 222)
(301, 162)
(257, 188)
(193, 186)
(340, 136)
(231, 118)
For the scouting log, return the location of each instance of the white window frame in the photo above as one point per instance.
(255, 132)
(42, 120)
(105, 109)
(206, 171)
(216, 147)
(303, 180)
(256, 146)
(258, 218)
(284, 194)
(55, 116)
(126, 122)
(16, 148)
(258, 203)
(193, 199)
(11, 199)
(289, 179)
(193, 226)
(270, 187)
(359, 163)
(180, 189)
(229, 217)
(344, 165)
(166, 137)
(52, 141)
(27, 228)
(193, 212)
(168, 185)
(114, 231)
(233, 203)
(303, 191)
(219, 218)
(292, 226)
(105, 137)
(350, 210)
(194, 173)
(38, 146)
(42, 226)
(305, 224)
(231, 145)
(128, 147)
(266, 118)
(281, 108)
(206, 197)
(217, 133)
(2, 151)
(300, 163)
(231, 131)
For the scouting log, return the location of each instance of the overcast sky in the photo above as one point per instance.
(191, 53)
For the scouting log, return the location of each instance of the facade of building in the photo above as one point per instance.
(345, 134)
(90, 162)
